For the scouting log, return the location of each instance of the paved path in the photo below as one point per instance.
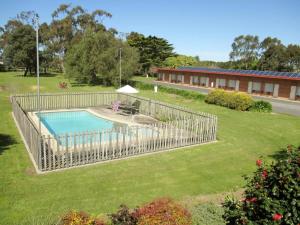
(279, 105)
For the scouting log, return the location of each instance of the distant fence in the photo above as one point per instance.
(177, 127)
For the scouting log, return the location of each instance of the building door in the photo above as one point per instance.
(269, 88)
(256, 87)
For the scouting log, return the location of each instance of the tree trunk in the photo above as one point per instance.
(93, 78)
(26, 71)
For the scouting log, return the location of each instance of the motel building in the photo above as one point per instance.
(265, 83)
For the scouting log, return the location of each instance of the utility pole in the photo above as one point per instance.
(36, 21)
(120, 67)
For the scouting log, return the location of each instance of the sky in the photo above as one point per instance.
(205, 28)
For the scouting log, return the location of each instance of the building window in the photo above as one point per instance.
(222, 83)
(269, 88)
(232, 84)
(160, 76)
(256, 87)
(195, 80)
(298, 91)
(180, 78)
(203, 81)
(173, 77)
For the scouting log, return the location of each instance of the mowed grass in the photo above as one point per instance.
(27, 198)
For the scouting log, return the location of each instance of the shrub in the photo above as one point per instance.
(123, 217)
(271, 195)
(261, 106)
(79, 218)
(233, 100)
(207, 214)
(63, 85)
(163, 211)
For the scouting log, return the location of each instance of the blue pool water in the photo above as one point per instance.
(60, 123)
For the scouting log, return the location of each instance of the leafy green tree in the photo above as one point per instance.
(153, 50)
(274, 58)
(293, 52)
(69, 24)
(245, 51)
(267, 43)
(180, 60)
(95, 58)
(20, 48)
(18, 41)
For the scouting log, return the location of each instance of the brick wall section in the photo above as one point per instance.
(284, 85)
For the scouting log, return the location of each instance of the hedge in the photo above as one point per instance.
(233, 100)
(183, 93)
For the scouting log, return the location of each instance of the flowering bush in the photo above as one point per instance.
(233, 100)
(63, 85)
(163, 211)
(271, 195)
(79, 218)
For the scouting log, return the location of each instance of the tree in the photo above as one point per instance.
(274, 58)
(293, 54)
(95, 59)
(18, 42)
(69, 24)
(20, 48)
(267, 43)
(180, 60)
(271, 195)
(153, 50)
(245, 51)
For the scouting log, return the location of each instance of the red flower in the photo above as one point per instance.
(253, 199)
(259, 162)
(277, 216)
(264, 174)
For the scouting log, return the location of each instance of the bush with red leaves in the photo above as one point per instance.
(163, 211)
(63, 85)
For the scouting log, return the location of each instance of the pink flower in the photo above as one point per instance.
(277, 216)
(264, 174)
(259, 162)
(252, 200)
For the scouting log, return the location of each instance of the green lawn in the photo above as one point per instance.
(213, 168)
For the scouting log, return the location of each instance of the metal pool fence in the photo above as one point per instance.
(177, 127)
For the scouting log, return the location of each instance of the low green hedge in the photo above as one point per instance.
(183, 93)
(261, 106)
(233, 100)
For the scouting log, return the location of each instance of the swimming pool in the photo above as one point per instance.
(67, 122)
(81, 127)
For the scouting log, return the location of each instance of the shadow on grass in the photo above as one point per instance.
(5, 142)
(282, 154)
(41, 75)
